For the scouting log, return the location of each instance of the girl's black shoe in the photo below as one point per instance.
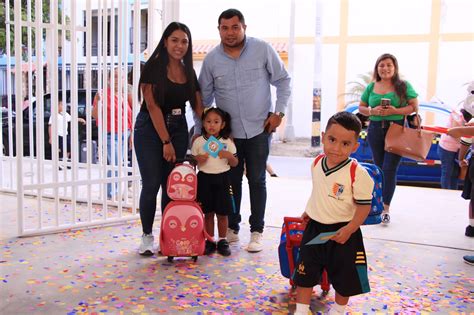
(223, 247)
(210, 247)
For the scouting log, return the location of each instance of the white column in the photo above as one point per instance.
(289, 129)
(318, 40)
(19, 113)
(170, 12)
(155, 28)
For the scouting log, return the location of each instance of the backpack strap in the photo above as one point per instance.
(353, 171)
(319, 157)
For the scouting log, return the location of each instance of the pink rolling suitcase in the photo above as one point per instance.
(182, 231)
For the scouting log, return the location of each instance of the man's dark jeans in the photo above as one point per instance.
(253, 153)
(387, 161)
(154, 170)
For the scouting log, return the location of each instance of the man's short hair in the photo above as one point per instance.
(347, 120)
(230, 13)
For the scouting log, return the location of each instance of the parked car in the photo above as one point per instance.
(410, 171)
(81, 110)
(5, 137)
(4, 101)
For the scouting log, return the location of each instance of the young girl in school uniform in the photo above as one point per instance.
(214, 188)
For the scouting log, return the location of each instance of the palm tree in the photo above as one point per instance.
(357, 87)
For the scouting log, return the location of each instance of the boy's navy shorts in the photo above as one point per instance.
(346, 264)
(214, 193)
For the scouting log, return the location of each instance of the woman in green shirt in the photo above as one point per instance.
(399, 99)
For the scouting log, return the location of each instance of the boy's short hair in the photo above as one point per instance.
(347, 120)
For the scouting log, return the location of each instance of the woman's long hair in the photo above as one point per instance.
(400, 85)
(159, 60)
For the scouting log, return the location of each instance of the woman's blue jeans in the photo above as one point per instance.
(154, 169)
(253, 153)
(387, 161)
(449, 168)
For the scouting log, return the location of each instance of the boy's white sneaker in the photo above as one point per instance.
(232, 236)
(255, 244)
(385, 218)
(146, 245)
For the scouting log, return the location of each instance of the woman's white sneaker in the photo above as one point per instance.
(255, 244)
(146, 246)
(232, 236)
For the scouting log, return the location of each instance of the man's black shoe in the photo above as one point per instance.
(469, 231)
(223, 247)
(469, 259)
(210, 247)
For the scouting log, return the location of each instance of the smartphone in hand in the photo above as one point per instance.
(385, 102)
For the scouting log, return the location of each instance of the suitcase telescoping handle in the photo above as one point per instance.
(293, 224)
(187, 159)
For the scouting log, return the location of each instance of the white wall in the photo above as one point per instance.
(270, 19)
(264, 18)
(455, 69)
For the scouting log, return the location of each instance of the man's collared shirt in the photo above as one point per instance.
(241, 86)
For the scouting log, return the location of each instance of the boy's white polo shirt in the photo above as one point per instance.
(60, 125)
(333, 198)
(213, 165)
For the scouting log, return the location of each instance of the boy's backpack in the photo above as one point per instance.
(376, 207)
(375, 172)
(290, 242)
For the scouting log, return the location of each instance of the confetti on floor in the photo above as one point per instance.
(98, 271)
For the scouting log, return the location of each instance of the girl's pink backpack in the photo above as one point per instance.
(182, 226)
(182, 183)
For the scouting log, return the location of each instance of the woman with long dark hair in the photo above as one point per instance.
(386, 100)
(167, 82)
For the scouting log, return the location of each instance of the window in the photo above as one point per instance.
(143, 31)
(95, 34)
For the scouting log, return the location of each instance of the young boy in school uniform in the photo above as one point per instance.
(339, 202)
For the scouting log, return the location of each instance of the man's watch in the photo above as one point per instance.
(280, 114)
(166, 142)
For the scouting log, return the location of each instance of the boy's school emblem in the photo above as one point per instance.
(337, 189)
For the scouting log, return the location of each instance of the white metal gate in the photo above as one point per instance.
(56, 192)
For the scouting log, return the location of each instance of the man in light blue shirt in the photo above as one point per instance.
(237, 74)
